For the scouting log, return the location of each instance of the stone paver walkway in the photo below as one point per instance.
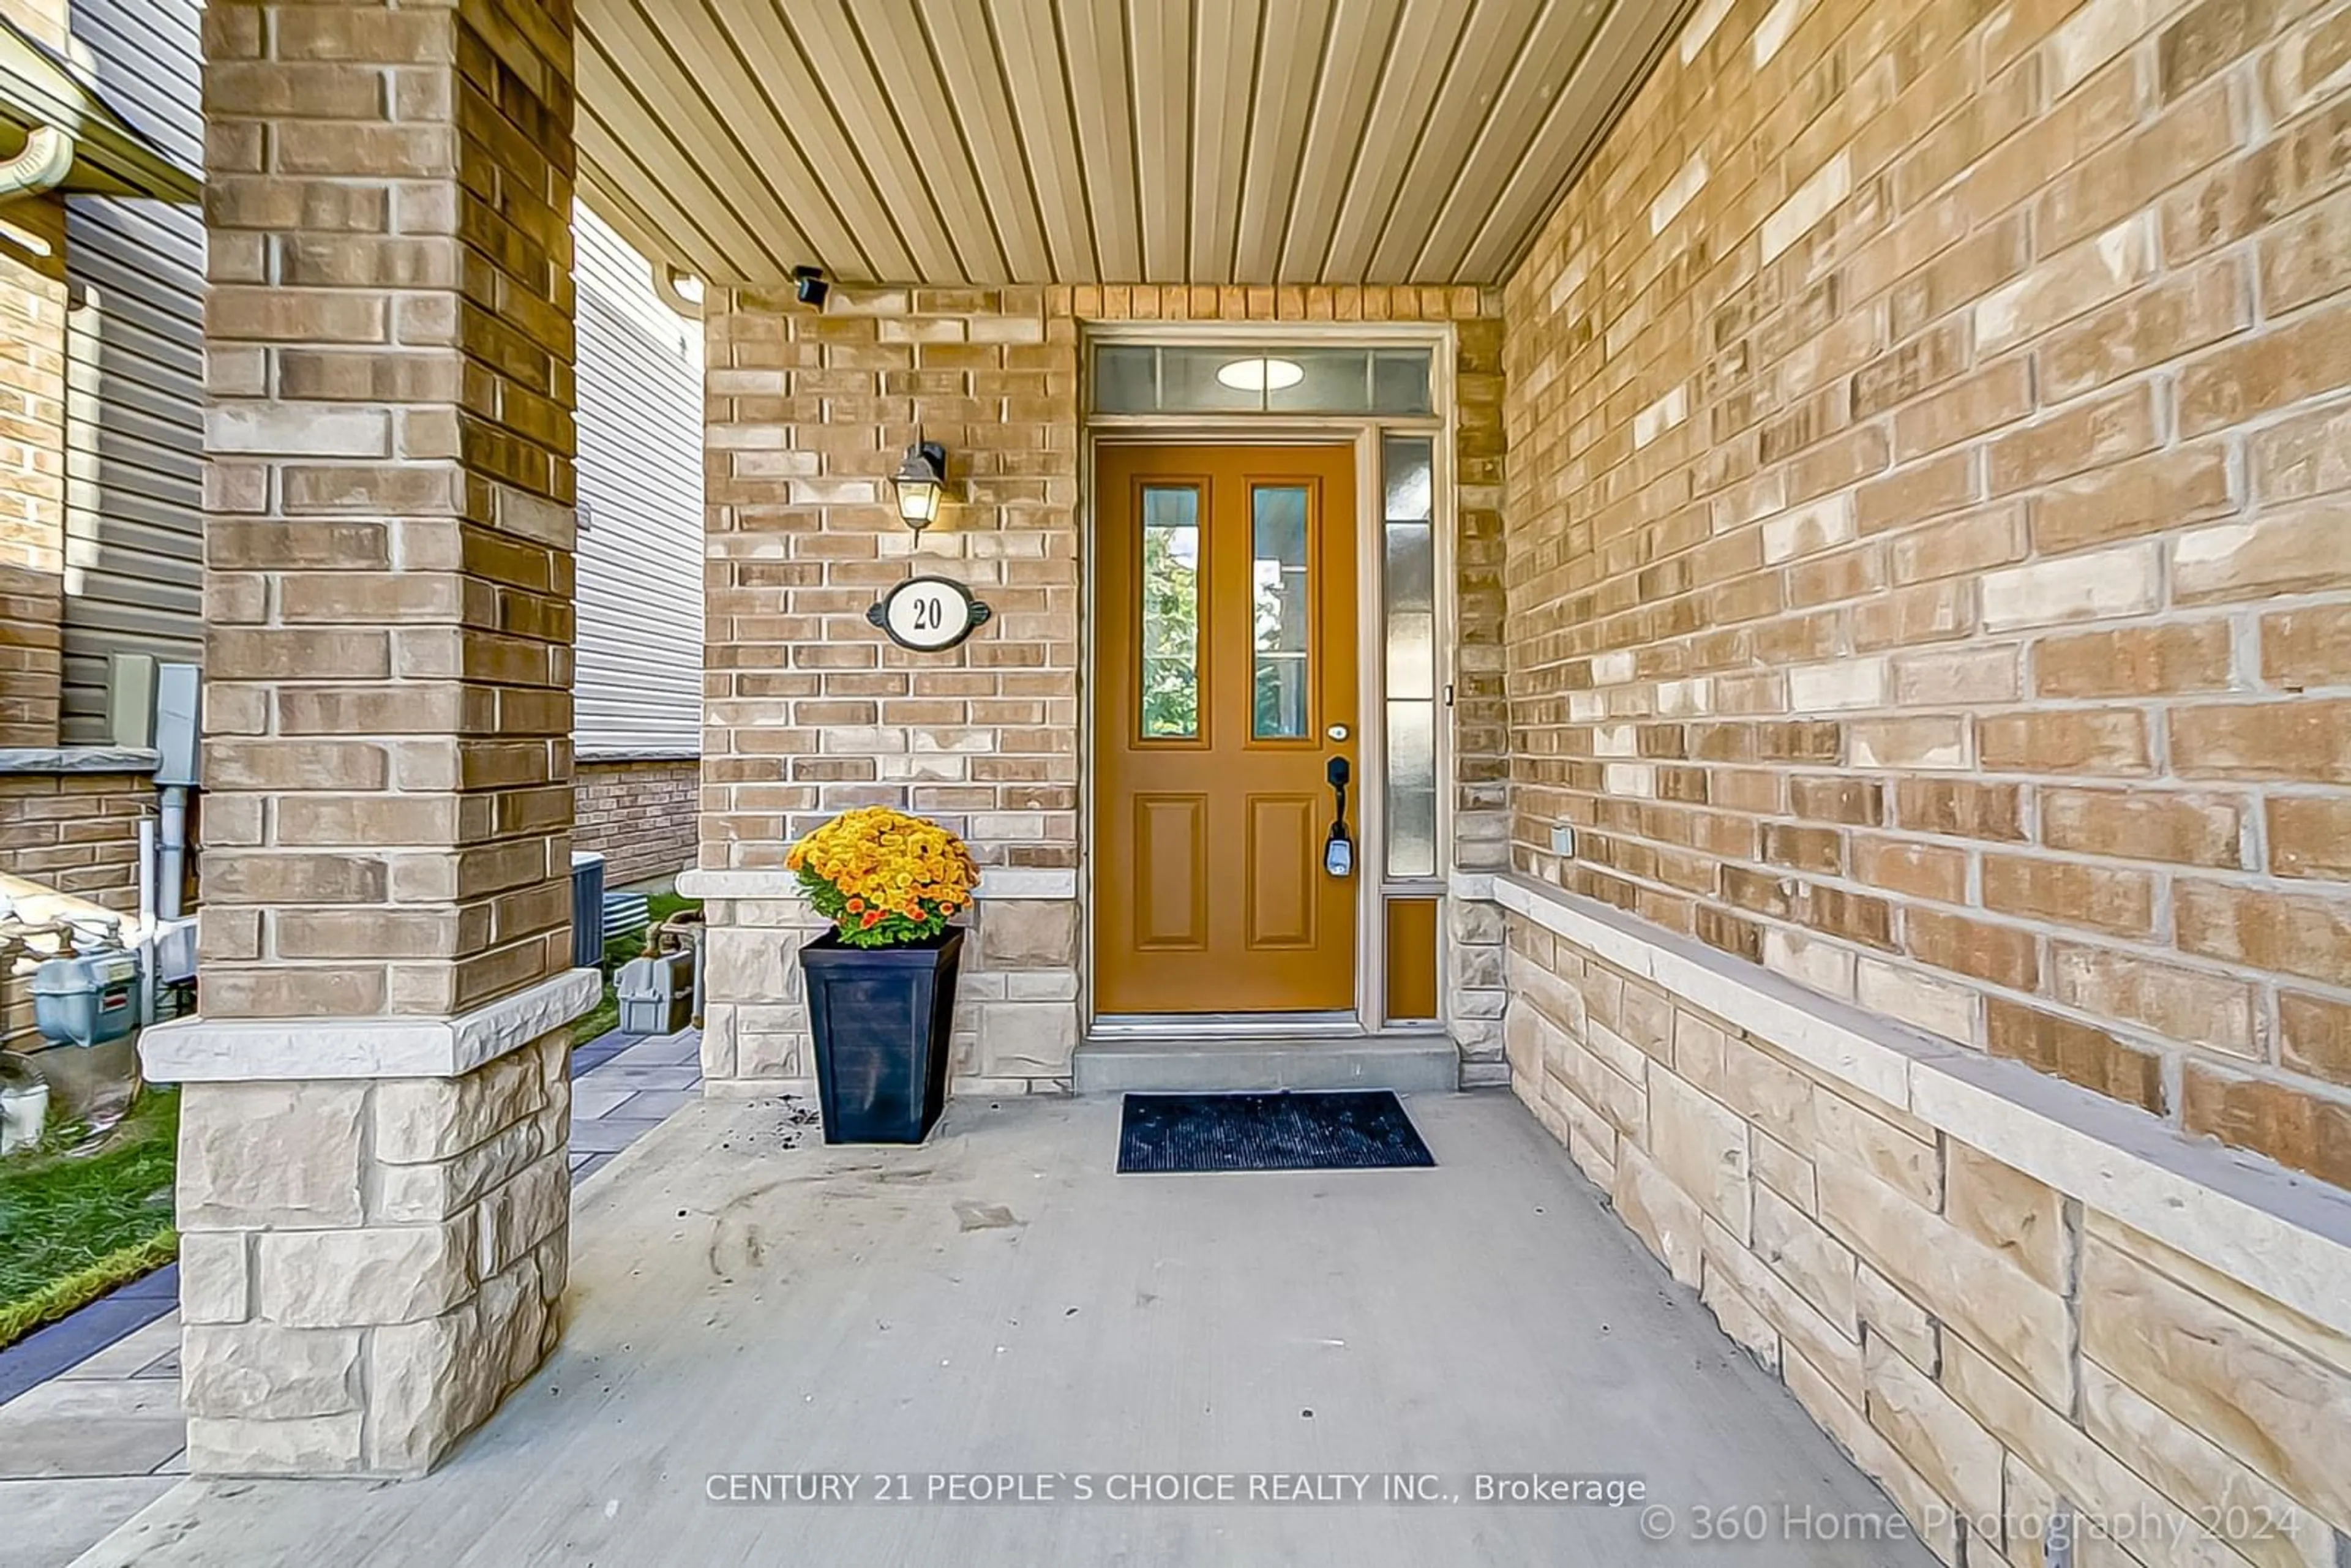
(90, 1429)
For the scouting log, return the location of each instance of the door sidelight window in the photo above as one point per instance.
(1283, 677)
(1408, 607)
(1169, 703)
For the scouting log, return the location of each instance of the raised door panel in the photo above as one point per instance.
(1281, 872)
(1171, 881)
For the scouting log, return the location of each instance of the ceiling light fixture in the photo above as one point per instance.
(1260, 375)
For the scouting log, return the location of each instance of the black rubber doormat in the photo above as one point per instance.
(1310, 1130)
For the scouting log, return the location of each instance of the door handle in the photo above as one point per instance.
(1338, 849)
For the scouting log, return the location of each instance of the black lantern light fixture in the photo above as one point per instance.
(921, 479)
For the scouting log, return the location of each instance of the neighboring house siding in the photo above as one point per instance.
(637, 687)
(134, 519)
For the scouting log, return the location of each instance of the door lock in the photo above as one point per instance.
(1338, 849)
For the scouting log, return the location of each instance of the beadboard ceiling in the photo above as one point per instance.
(1112, 141)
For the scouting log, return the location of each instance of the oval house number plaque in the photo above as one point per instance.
(929, 614)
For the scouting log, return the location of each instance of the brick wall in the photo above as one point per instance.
(808, 710)
(640, 816)
(32, 474)
(75, 833)
(1927, 532)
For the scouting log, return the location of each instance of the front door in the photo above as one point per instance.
(1225, 686)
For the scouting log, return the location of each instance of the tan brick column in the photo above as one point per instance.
(373, 1186)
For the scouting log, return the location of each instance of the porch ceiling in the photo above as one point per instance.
(1114, 141)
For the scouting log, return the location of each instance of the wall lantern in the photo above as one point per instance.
(1260, 375)
(920, 479)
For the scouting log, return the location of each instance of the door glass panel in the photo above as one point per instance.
(1170, 699)
(1126, 379)
(1330, 381)
(1188, 380)
(1282, 670)
(1408, 610)
(1408, 571)
(1134, 377)
(1400, 381)
(1412, 789)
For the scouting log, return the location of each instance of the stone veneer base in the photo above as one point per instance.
(375, 1227)
(2007, 1297)
(1015, 1022)
(367, 1266)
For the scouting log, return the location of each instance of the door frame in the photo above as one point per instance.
(1367, 800)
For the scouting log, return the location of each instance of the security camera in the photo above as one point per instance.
(809, 282)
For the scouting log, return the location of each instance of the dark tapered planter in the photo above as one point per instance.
(881, 1017)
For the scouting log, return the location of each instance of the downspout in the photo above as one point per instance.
(172, 874)
(149, 948)
(179, 697)
(47, 158)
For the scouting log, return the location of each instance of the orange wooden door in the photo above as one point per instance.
(1227, 654)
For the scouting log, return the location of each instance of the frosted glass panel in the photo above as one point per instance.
(1187, 382)
(1170, 699)
(1408, 611)
(1331, 380)
(1133, 378)
(1400, 381)
(1126, 379)
(1412, 789)
(1404, 463)
(1411, 611)
(1277, 524)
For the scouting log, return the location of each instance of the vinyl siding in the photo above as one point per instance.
(134, 439)
(638, 688)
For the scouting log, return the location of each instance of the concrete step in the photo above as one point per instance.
(1118, 1066)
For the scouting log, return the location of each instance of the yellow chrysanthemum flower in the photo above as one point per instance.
(891, 866)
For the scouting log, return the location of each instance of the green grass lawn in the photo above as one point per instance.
(73, 1227)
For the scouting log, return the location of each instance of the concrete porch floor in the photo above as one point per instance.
(1002, 1300)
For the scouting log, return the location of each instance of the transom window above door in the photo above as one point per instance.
(1255, 378)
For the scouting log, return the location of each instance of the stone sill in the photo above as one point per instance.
(239, 1051)
(636, 754)
(2287, 1236)
(995, 882)
(79, 759)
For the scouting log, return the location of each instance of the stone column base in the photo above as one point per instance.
(368, 1265)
